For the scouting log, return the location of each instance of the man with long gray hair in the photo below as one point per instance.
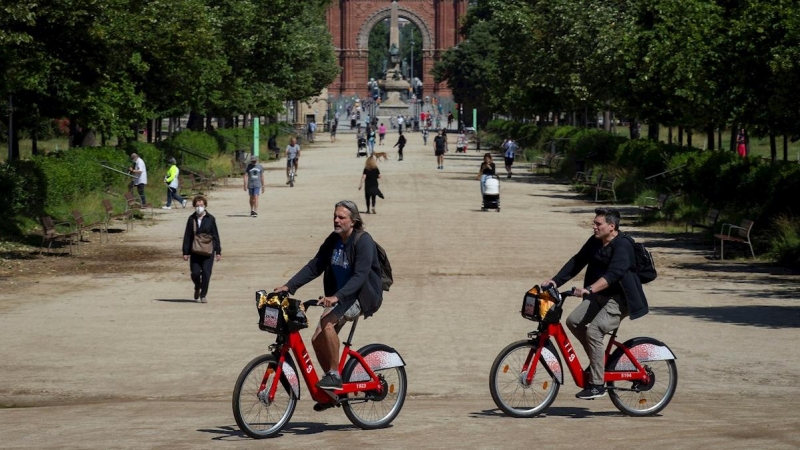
(348, 261)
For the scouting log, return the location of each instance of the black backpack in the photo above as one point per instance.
(645, 266)
(383, 261)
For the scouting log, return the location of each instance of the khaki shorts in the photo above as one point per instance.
(344, 313)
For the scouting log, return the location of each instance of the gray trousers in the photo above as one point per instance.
(589, 322)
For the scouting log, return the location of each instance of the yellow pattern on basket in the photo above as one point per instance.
(273, 299)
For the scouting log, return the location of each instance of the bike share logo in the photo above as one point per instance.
(307, 360)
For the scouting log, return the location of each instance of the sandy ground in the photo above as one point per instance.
(107, 349)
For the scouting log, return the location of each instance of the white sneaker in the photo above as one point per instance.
(183, 204)
(166, 207)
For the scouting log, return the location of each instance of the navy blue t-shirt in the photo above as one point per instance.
(341, 267)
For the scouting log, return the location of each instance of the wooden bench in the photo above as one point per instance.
(134, 205)
(81, 224)
(740, 234)
(605, 184)
(653, 205)
(111, 215)
(584, 178)
(549, 161)
(50, 233)
(709, 223)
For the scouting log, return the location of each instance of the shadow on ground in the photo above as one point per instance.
(753, 315)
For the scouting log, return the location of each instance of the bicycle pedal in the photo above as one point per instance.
(319, 407)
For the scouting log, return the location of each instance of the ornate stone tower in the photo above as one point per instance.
(350, 23)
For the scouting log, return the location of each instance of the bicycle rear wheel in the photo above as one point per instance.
(254, 413)
(510, 390)
(637, 399)
(371, 410)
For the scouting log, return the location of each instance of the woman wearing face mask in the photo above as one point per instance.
(201, 222)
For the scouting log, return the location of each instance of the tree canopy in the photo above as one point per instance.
(698, 64)
(109, 64)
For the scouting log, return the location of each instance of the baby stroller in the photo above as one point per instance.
(491, 193)
(362, 146)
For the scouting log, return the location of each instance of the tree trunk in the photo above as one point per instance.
(688, 138)
(669, 135)
(680, 137)
(34, 144)
(634, 129)
(209, 127)
(653, 131)
(719, 138)
(773, 148)
(607, 120)
(711, 137)
(732, 145)
(195, 122)
(149, 131)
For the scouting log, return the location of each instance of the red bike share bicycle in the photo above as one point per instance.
(640, 374)
(267, 390)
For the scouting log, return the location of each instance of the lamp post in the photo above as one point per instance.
(412, 60)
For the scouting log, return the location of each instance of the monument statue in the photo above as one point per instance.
(393, 83)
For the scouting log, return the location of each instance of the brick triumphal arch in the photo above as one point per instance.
(350, 23)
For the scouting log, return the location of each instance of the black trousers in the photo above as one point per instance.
(400, 152)
(201, 271)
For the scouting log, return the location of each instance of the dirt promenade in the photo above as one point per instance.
(121, 357)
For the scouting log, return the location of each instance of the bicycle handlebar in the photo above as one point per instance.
(312, 302)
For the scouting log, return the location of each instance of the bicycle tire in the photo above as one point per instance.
(655, 396)
(253, 416)
(368, 411)
(507, 382)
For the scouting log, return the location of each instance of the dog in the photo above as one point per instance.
(381, 155)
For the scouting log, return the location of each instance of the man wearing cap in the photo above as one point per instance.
(253, 183)
(348, 261)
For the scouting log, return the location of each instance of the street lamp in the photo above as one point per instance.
(412, 59)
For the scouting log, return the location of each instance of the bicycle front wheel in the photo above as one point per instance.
(508, 381)
(254, 413)
(371, 410)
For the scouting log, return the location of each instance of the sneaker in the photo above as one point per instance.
(367, 211)
(287, 181)
(166, 207)
(183, 203)
(331, 381)
(196, 293)
(592, 392)
(373, 211)
(252, 213)
(255, 214)
(205, 300)
(323, 406)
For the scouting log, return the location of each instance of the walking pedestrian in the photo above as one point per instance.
(254, 183)
(401, 142)
(425, 136)
(486, 170)
(371, 140)
(400, 122)
(369, 180)
(201, 246)
(381, 133)
(510, 152)
(439, 143)
(333, 131)
(171, 179)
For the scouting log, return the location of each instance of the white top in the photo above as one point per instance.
(141, 178)
(399, 120)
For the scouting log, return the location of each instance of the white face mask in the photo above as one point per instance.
(200, 210)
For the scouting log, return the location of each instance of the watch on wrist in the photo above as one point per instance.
(589, 288)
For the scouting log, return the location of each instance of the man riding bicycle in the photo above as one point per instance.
(292, 156)
(348, 261)
(611, 291)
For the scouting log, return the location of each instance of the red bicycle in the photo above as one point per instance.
(268, 388)
(640, 374)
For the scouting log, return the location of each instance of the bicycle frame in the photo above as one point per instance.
(556, 330)
(295, 344)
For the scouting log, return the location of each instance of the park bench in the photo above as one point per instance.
(111, 215)
(81, 224)
(549, 161)
(584, 178)
(605, 184)
(739, 234)
(654, 205)
(50, 234)
(133, 205)
(708, 224)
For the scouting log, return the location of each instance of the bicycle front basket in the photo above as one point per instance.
(277, 313)
(540, 306)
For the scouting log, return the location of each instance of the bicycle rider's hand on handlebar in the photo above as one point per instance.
(283, 288)
(328, 301)
(548, 283)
